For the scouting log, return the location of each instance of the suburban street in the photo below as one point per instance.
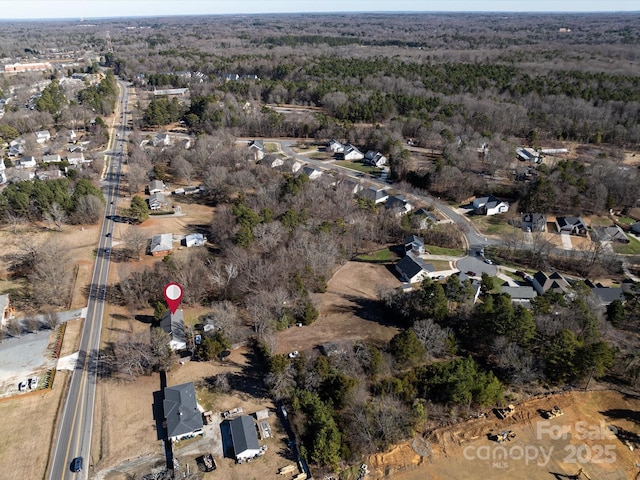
(74, 431)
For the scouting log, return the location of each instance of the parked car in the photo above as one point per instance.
(471, 274)
(294, 354)
(33, 383)
(22, 386)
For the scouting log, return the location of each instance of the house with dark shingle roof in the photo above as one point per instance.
(614, 233)
(534, 222)
(606, 295)
(173, 325)
(181, 413)
(571, 225)
(555, 282)
(377, 194)
(413, 269)
(244, 438)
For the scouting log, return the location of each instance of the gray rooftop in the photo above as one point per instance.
(181, 410)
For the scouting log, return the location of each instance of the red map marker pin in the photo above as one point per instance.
(173, 295)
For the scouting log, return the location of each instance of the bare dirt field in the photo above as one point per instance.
(346, 311)
(545, 449)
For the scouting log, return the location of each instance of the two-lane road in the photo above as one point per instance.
(74, 430)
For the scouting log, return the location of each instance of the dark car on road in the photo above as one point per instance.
(76, 464)
(471, 274)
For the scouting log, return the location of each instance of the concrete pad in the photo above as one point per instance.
(566, 241)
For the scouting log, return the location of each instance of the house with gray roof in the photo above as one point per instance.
(245, 438)
(606, 295)
(489, 205)
(181, 413)
(161, 244)
(156, 186)
(635, 228)
(351, 153)
(334, 146)
(311, 172)
(157, 201)
(377, 194)
(173, 325)
(555, 282)
(571, 225)
(256, 147)
(614, 233)
(413, 269)
(534, 222)
(375, 159)
(415, 243)
(398, 204)
(520, 295)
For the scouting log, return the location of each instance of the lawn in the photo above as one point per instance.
(454, 252)
(380, 256)
(360, 167)
(631, 248)
(491, 225)
(626, 220)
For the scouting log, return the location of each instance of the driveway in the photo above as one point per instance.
(476, 265)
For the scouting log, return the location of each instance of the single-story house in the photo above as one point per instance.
(534, 222)
(635, 228)
(425, 218)
(257, 148)
(75, 158)
(157, 201)
(161, 138)
(244, 437)
(520, 295)
(556, 282)
(375, 159)
(351, 153)
(194, 240)
(173, 324)
(335, 146)
(398, 204)
(377, 194)
(272, 160)
(156, 186)
(614, 233)
(42, 136)
(161, 244)
(413, 269)
(415, 243)
(51, 158)
(528, 155)
(311, 172)
(490, 205)
(26, 162)
(183, 418)
(571, 225)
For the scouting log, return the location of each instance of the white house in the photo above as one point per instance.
(245, 438)
(413, 269)
(156, 186)
(27, 162)
(375, 159)
(528, 155)
(162, 139)
(173, 324)
(75, 158)
(335, 146)
(257, 148)
(194, 240)
(51, 158)
(352, 153)
(312, 172)
(398, 205)
(42, 136)
(3, 168)
(161, 244)
(490, 205)
(556, 282)
(272, 161)
(378, 195)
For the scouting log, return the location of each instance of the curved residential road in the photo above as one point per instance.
(473, 237)
(74, 428)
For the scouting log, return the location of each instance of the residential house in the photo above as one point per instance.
(398, 204)
(375, 159)
(352, 184)
(42, 136)
(290, 165)
(351, 153)
(161, 244)
(414, 269)
(414, 243)
(490, 205)
(635, 228)
(52, 173)
(426, 219)
(311, 172)
(170, 92)
(194, 240)
(157, 201)
(520, 295)
(377, 194)
(528, 155)
(571, 225)
(3, 169)
(7, 311)
(51, 159)
(181, 413)
(72, 136)
(555, 282)
(173, 325)
(75, 158)
(335, 146)
(614, 233)
(534, 222)
(244, 437)
(272, 160)
(26, 162)
(156, 186)
(256, 147)
(162, 139)
(16, 147)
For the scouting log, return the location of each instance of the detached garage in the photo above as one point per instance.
(244, 438)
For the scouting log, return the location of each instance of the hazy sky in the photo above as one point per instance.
(10, 9)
